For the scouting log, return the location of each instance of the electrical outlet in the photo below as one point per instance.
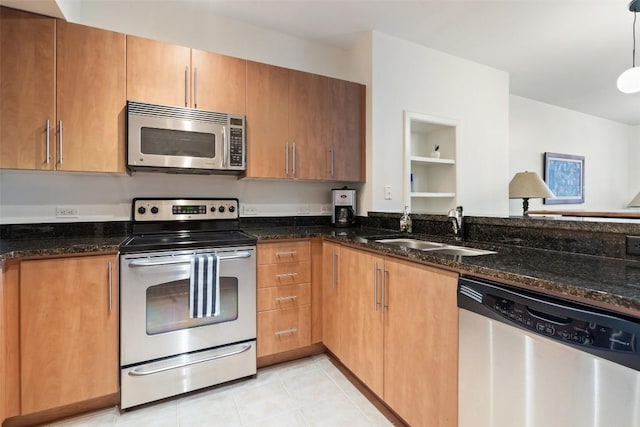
(248, 210)
(303, 209)
(325, 209)
(66, 212)
(633, 245)
(387, 192)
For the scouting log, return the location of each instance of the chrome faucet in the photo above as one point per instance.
(457, 220)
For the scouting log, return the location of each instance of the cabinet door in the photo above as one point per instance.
(90, 98)
(219, 82)
(267, 121)
(27, 67)
(421, 344)
(9, 341)
(331, 297)
(360, 316)
(68, 331)
(157, 72)
(345, 130)
(307, 122)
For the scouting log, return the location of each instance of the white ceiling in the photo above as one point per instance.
(563, 52)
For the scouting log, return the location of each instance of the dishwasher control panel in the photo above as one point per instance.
(569, 329)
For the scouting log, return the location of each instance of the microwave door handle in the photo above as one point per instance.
(224, 146)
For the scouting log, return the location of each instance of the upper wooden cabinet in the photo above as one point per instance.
(90, 99)
(62, 95)
(168, 74)
(303, 126)
(27, 90)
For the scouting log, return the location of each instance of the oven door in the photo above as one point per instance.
(161, 142)
(154, 304)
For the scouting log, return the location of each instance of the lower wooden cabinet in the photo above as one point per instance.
(397, 331)
(68, 331)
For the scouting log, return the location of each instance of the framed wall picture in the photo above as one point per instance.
(564, 175)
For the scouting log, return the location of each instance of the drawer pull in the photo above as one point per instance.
(286, 332)
(289, 253)
(287, 298)
(281, 276)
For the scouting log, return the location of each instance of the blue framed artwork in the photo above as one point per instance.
(564, 175)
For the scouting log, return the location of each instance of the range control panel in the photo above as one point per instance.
(565, 329)
(184, 209)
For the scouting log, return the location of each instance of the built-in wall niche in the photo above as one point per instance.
(430, 179)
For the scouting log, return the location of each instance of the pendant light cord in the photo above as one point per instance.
(633, 60)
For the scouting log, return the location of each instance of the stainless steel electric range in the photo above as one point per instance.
(164, 349)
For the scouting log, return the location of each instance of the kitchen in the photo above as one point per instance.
(32, 196)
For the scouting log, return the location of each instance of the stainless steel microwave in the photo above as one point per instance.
(184, 140)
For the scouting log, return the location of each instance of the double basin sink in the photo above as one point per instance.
(435, 247)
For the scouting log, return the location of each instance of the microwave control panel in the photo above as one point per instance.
(236, 141)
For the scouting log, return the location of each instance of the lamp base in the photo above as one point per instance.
(525, 206)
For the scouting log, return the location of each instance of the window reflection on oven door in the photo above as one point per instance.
(155, 321)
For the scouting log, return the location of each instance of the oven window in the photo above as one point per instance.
(168, 142)
(168, 306)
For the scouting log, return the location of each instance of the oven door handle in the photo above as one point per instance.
(141, 371)
(138, 263)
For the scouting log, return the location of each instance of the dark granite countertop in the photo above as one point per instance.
(605, 282)
(601, 281)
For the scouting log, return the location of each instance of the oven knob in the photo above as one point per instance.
(221, 209)
(142, 210)
(232, 209)
(213, 208)
(154, 210)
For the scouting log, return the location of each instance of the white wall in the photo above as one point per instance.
(536, 128)
(32, 196)
(407, 76)
(633, 162)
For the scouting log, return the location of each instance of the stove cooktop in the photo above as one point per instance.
(178, 241)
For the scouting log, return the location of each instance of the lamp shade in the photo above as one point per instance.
(635, 202)
(528, 185)
(629, 81)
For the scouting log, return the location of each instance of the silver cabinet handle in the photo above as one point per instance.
(186, 86)
(224, 146)
(110, 274)
(294, 160)
(287, 298)
(141, 371)
(48, 149)
(286, 331)
(333, 273)
(60, 159)
(385, 304)
(291, 253)
(332, 151)
(286, 158)
(281, 276)
(375, 286)
(195, 87)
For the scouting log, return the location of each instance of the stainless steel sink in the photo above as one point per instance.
(412, 243)
(461, 251)
(435, 247)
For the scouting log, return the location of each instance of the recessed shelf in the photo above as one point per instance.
(432, 195)
(421, 159)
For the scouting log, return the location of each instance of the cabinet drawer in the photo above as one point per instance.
(285, 252)
(283, 330)
(284, 296)
(283, 274)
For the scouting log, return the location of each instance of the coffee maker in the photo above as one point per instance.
(343, 213)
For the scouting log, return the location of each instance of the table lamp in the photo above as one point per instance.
(528, 185)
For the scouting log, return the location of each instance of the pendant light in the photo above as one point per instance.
(629, 81)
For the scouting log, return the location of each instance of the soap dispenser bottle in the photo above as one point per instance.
(405, 221)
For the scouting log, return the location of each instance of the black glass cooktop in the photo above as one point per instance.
(186, 240)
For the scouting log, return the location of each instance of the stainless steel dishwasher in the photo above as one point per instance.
(531, 360)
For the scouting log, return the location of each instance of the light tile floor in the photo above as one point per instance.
(307, 392)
